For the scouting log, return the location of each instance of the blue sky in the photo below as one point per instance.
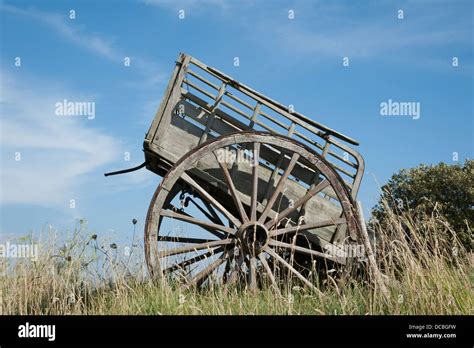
(295, 61)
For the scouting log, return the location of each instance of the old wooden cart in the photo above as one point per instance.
(252, 191)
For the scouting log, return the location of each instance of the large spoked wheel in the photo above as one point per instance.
(225, 214)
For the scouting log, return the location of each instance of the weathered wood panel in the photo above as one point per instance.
(276, 119)
(182, 136)
(223, 124)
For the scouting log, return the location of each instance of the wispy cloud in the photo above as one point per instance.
(325, 30)
(75, 34)
(60, 156)
(187, 4)
(57, 153)
(150, 72)
(365, 40)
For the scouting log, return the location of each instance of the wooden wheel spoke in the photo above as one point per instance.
(194, 247)
(311, 193)
(216, 217)
(279, 167)
(192, 260)
(306, 227)
(199, 278)
(210, 199)
(232, 189)
(184, 240)
(253, 273)
(226, 271)
(234, 274)
(291, 268)
(267, 268)
(210, 214)
(253, 201)
(279, 187)
(187, 218)
(303, 250)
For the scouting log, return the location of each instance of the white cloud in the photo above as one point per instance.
(187, 4)
(75, 34)
(150, 73)
(328, 30)
(57, 153)
(365, 40)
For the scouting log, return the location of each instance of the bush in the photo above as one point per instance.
(447, 189)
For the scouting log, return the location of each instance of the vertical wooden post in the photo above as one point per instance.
(256, 111)
(212, 115)
(374, 269)
(271, 182)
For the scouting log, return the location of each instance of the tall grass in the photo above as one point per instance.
(425, 268)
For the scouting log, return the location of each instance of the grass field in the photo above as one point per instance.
(427, 272)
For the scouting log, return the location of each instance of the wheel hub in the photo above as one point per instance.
(253, 237)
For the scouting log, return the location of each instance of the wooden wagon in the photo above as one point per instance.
(251, 189)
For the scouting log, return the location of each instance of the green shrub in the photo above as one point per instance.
(446, 189)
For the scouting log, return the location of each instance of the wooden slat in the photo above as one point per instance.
(310, 141)
(302, 120)
(232, 107)
(306, 227)
(319, 208)
(342, 159)
(184, 131)
(223, 126)
(206, 106)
